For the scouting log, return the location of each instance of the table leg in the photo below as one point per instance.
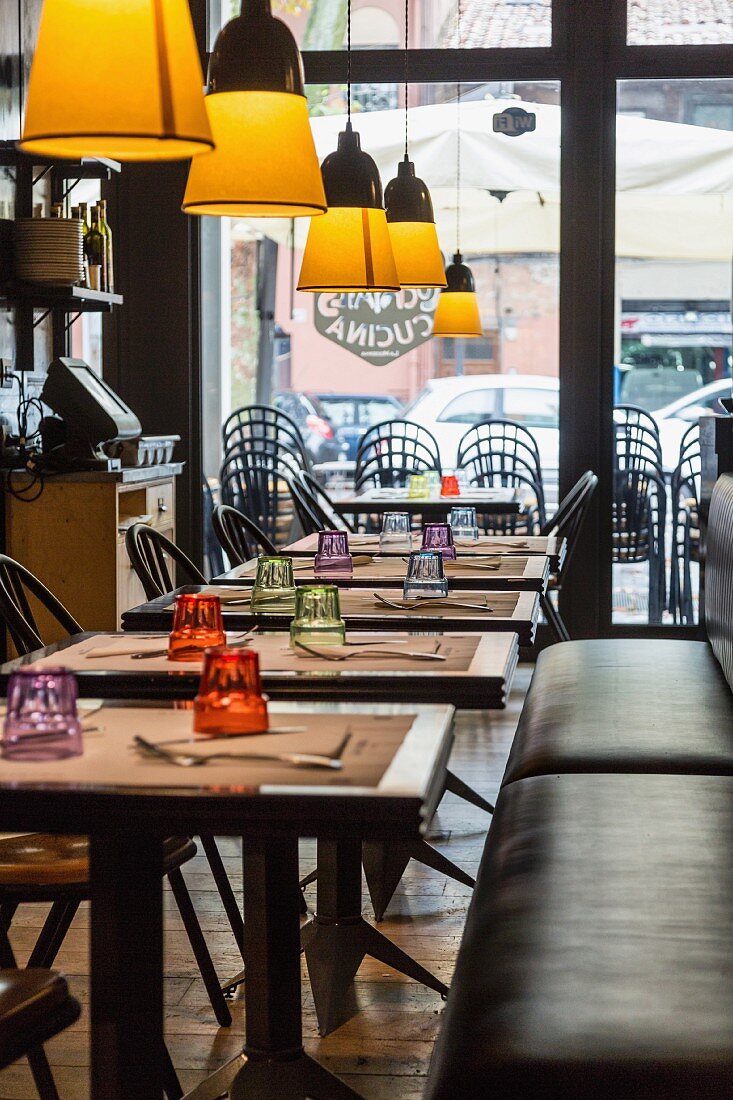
(276, 1065)
(385, 863)
(338, 938)
(127, 966)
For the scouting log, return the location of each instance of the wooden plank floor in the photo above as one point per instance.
(384, 1050)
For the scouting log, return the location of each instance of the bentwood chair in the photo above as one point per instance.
(239, 537)
(685, 498)
(567, 524)
(504, 453)
(321, 503)
(389, 452)
(264, 429)
(16, 583)
(151, 554)
(35, 1005)
(257, 485)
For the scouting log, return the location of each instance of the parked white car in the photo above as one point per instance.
(448, 407)
(675, 418)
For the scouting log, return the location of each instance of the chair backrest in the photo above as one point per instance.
(637, 442)
(321, 503)
(150, 552)
(389, 452)
(635, 415)
(305, 507)
(263, 428)
(255, 485)
(639, 515)
(239, 537)
(16, 584)
(509, 444)
(719, 574)
(570, 516)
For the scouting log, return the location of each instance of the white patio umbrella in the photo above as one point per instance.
(675, 182)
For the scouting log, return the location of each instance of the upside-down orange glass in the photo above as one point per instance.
(230, 698)
(449, 486)
(197, 624)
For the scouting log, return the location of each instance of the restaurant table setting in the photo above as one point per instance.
(429, 503)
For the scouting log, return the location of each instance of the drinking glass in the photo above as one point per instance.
(274, 589)
(417, 487)
(449, 486)
(425, 575)
(396, 533)
(333, 558)
(42, 721)
(463, 523)
(439, 536)
(433, 482)
(230, 698)
(197, 623)
(318, 616)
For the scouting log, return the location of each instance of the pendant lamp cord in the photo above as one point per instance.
(407, 65)
(458, 144)
(348, 64)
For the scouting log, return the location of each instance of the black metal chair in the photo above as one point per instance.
(150, 553)
(321, 504)
(35, 1005)
(504, 453)
(567, 524)
(213, 557)
(389, 452)
(258, 485)
(261, 429)
(239, 537)
(685, 498)
(637, 439)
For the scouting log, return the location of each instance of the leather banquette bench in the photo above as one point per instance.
(597, 959)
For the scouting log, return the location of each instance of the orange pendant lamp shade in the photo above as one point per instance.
(457, 313)
(349, 248)
(412, 229)
(265, 162)
(118, 79)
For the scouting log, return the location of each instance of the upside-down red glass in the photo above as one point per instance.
(42, 721)
(439, 536)
(333, 558)
(449, 486)
(197, 624)
(230, 698)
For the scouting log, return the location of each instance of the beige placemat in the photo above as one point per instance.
(357, 601)
(110, 760)
(274, 651)
(486, 544)
(376, 569)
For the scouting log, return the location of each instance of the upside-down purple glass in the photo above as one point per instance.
(42, 721)
(439, 536)
(333, 558)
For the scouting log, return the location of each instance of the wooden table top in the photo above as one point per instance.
(546, 546)
(392, 777)
(506, 572)
(516, 612)
(477, 670)
(498, 502)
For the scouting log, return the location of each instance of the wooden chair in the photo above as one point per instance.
(35, 1005)
(239, 537)
(150, 552)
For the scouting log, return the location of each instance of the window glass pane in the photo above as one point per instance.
(471, 408)
(679, 22)
(380, 24)
(533, 408)
(674, 240)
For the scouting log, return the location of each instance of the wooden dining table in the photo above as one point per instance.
(470, 670)
(500, 572)
(376, 501)
(392, 777)
(515, 612)
(546, 546)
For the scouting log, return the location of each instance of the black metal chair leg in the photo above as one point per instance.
(200, 950)
(468, 794)
(224, 886)
(53, 933)
(554, 620)
(42, 1076)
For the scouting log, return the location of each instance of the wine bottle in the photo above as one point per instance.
(96, 254)
(83, 217)
(107, 234)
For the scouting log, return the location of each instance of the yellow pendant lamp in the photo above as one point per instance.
(409, 211)
(349, 248)
(264, 163)
(118, 79)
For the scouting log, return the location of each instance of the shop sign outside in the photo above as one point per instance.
(377, 327)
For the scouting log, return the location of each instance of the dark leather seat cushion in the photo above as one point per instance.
(596, 962)
(34, 1004)
(631, 705)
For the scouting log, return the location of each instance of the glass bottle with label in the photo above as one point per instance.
(107, 234)
(96, 253)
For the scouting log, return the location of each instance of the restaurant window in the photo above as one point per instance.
(679, 22)
(672, 364)
(471, 408)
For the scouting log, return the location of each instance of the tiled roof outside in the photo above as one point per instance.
(506, 23)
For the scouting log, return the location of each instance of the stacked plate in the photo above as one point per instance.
(49, 251)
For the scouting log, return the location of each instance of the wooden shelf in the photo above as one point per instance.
(75, 299)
